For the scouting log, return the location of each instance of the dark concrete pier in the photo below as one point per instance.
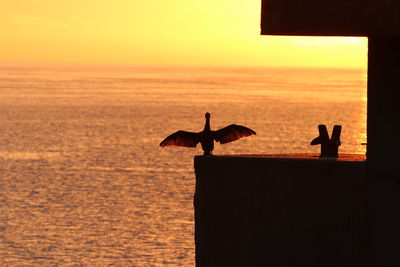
(298, 210)
(280, 210)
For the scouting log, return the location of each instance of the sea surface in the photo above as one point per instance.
(83, 181)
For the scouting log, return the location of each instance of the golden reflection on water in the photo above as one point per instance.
(84, 182)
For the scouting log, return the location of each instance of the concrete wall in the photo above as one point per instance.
(383, 217)
(293, 210)
(331, 18)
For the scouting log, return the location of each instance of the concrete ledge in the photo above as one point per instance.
(280, 210)
(299, 156)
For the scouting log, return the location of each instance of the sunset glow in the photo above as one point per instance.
(159, 32)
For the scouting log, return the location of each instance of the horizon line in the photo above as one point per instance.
(128, 65)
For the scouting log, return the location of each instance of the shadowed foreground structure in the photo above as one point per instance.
(279, 210)
(295, 211)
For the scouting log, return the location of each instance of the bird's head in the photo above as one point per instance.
(208, 115)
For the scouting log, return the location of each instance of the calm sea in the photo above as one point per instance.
(83, 180)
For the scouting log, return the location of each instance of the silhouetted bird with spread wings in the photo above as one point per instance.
(206, 137)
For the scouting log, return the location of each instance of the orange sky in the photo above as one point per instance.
(178, 32)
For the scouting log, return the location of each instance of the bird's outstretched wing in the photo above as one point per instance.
(181, 138)
(231, 133)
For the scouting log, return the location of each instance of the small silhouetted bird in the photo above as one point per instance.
(206, 137)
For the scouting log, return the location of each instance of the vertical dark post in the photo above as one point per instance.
(383, 106)
(382, 151)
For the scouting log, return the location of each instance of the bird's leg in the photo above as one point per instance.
(207, 153)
